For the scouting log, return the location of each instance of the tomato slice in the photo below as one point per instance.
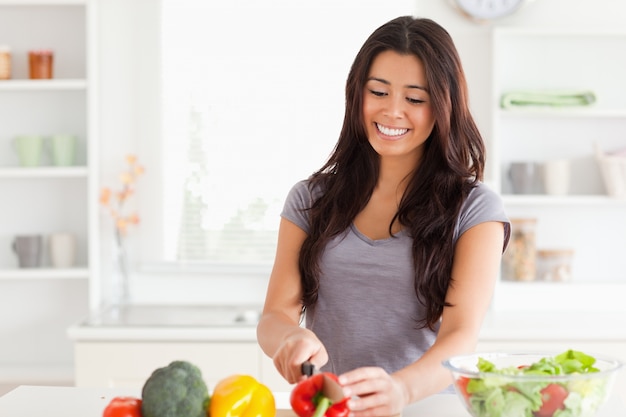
(461, 383)
(552, 397)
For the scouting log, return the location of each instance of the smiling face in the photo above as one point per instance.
(396, 106)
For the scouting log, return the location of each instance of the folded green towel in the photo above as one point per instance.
(547, 98)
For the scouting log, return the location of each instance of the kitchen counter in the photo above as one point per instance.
(29, 401)
(238, 323)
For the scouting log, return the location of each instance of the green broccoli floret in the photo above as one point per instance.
(176, 390)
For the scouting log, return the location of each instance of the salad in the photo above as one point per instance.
(547, 392)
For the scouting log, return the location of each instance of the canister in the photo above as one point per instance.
(519, 259)
(40, 64)
(555, 264)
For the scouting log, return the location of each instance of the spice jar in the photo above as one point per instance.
(555, 264)
(519, 260)
(5, 62)
(40, 64)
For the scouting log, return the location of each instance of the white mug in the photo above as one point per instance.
(62, 250)
(556, 175)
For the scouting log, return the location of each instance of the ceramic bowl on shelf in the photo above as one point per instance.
(571, 383)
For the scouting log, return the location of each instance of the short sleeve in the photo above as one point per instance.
(483, 205)
(297, 203)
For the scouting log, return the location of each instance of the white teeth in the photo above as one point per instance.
(391, 132)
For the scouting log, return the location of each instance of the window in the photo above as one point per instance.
(252, 101)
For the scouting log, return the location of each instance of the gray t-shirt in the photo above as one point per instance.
(366, 310)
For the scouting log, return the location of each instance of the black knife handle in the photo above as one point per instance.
(307, 368)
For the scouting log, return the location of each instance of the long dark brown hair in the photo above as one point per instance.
(452, 163)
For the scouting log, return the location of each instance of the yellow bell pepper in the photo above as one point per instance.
(241, 396)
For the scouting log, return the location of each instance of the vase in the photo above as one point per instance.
(120, 291)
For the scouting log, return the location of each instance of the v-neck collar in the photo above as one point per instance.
(371, 241)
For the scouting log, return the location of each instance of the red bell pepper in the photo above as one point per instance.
(307, 398)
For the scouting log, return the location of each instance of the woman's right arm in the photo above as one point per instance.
(279, 332)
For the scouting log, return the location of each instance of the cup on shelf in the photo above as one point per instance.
(556, 175)
(28, 249)
(40, 64)
(62, 247)
(63, 149)
(525, 177)
(28, 148)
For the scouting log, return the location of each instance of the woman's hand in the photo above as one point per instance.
(299, 346)
(374, 392)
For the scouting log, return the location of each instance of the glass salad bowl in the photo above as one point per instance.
(568, 384)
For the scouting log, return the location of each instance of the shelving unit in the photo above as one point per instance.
(587, 219)
(44, 274)
(43, 85)
(44, 172)
(47, 199)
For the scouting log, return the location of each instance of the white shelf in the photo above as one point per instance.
(43, 85)
(44, 172)
(42, 2)
(44, 273)
(562, 112)
(578, 200)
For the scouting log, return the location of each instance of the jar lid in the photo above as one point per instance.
(523, 220)
(555, 252)
(40, 51)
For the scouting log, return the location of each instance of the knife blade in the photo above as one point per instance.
(331, 389)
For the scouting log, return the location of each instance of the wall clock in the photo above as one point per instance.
(488, 9)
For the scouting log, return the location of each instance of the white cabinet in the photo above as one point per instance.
(586, 220)
(46, 199)
(129, 364)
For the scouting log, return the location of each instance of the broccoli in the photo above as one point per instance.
(176, 390)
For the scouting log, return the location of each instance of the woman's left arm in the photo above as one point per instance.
(477, 258)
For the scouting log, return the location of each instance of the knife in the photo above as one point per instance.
(331, 389)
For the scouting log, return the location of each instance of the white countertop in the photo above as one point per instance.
(30, 401)
(211, 323)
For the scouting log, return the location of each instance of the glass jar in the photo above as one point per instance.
(5, 62)
(40, 64)
(555, 264)
(519, 260)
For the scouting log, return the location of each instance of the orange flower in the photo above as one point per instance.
(115, 205)
(105, 196)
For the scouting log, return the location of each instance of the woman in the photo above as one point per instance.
(391, 250)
